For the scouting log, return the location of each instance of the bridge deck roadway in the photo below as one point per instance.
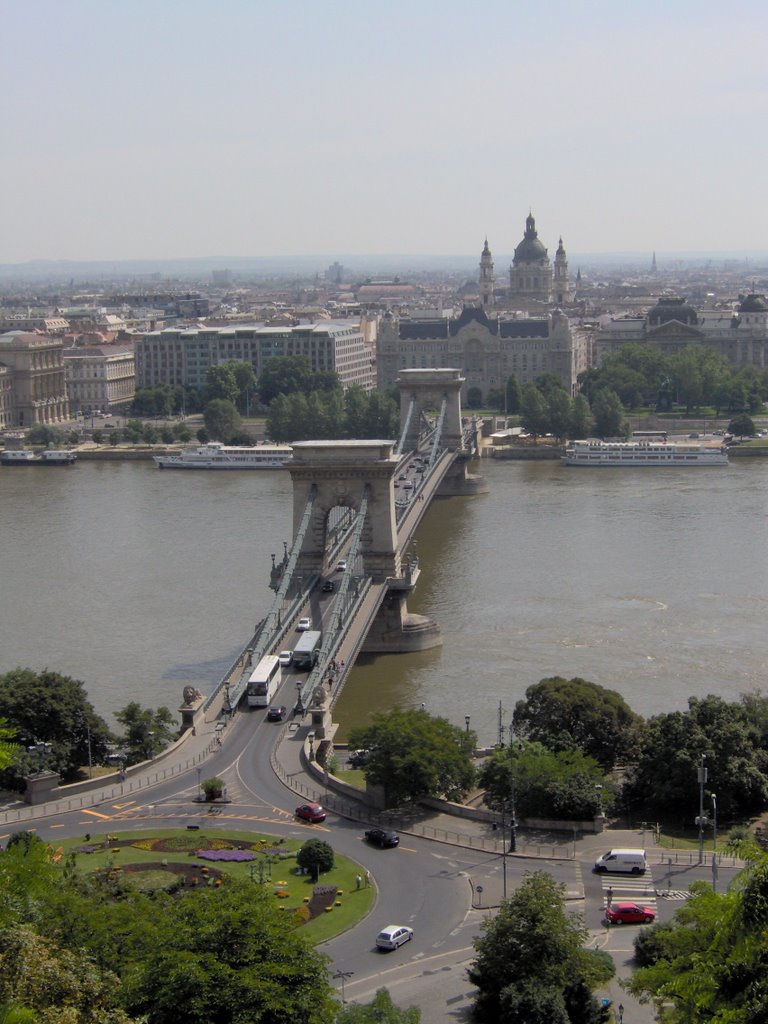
(410, 521)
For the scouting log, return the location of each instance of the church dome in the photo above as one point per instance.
(752, 304)
(530, 250)
(672, 309)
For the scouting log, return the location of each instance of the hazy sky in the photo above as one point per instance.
(174, 128)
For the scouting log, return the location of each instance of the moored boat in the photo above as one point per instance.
(644, 453)
(219, 456)
(49, 457)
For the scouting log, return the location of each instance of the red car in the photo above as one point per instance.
(629, 913)
(311, 812)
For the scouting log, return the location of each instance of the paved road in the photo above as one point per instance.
(432, 886)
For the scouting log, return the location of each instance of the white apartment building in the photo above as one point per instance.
(100, 377)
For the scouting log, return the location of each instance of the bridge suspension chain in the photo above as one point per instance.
(341, 607)
(404, 432)
(272, 624)
(438, 435)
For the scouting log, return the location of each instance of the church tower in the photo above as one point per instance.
(560, 293)
(530, 276)
(486, 277)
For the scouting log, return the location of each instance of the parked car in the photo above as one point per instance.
(629, 913)
(357, 758)
(303, 624)
(276, 713)
(393, 935)
(382, 837)
(285, 658)
(329, 586)
(311, 812)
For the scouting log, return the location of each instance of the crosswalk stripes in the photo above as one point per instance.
(673, 894)
(632, 888)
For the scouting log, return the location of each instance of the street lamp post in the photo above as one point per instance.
(701, 820)
(199, 784)
(150, 745)
(714, 842)
(299, 705)
(343, 975)
(467, 719)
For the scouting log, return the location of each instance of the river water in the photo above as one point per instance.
(650, 582)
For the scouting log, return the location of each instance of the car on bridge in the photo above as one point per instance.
(341, 565)
(285, 658)
(329, 586)
(276, 713)
(311, 812)
(303, 625)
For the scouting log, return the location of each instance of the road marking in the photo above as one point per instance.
(96, 814)
(57, 826)
(120, 807)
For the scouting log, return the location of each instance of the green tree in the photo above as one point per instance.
(581, 418)
(474, 398)
(533, 411)
(221, 384)
(221, 419)
(540, 783)
(609, 414)
(149, 434)
(227, 955)
(147, 731)
(381, 1010)
(245, 379)
(47, 707)
(574, 714)
(316, 857)
(356, 412)
(414, 755)
(531, 966)
(559, 412)
(45, 435)
(283, 375)
(514, 396)
(9, 750)
(673, 744)
(742, 426)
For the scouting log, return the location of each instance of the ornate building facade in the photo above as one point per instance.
(35, 369)
(673, 325)
(486, 350)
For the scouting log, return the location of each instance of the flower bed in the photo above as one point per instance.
(233, 855)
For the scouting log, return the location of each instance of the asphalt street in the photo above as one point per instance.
(443, 890)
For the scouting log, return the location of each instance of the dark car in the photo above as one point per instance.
(329, 586)
(276, 714)
(357, 758)
(629, 913)
(382, 837)
(311, 812)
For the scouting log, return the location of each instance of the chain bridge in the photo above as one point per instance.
(356, 507)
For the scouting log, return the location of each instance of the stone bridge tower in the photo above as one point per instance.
(341, 472)
(427, 389)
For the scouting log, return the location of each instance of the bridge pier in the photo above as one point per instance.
(395, 630)
(459, 482)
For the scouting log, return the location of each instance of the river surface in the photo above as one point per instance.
(651, 582)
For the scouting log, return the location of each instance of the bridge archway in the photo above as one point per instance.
(427, 389)
(340, 474)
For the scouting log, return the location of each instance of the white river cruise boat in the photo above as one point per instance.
(644, 453)
(218, 456)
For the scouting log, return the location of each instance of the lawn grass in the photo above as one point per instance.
(353, 903)
(352, 776)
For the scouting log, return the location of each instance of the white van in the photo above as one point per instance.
(628, 862)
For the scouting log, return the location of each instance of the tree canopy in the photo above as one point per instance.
(574, 714)
(414, 755)
(80, 949)
(665, 777)
(147, 731)
(46, 707)
(540, 783)
(329, 414)
(531, 966)
(380, 1010)
(222, 420)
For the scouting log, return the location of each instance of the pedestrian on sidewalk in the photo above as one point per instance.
(608, 896)
(367, 878)
(358, 881)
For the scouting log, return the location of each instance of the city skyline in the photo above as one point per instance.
(143, 131)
